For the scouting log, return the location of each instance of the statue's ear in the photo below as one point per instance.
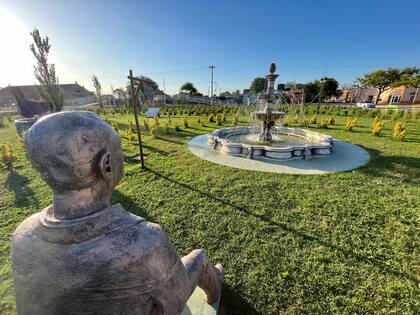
(105, 165)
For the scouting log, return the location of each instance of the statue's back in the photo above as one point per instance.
(105, 265)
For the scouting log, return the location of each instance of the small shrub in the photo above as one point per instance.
(177, 128)
(115, 126)
(167, 127)
(2, 124)
(211, 118)
(235, 119)
(399, 131)
(154, 129)
(21, 142)
(219, 119)
(350, 124)
(7, 156)
(224, 118)
(395, 116)
(331, 120)
(156, 123)
(305, 123)
(131, 126)
(9, 119)
(186, 123)
(296, 120)
(324, 123)
(377, 126)
(375, 112)
(286, 121)
(146, 125)
(314, 119)
(407, 115)
(129, 134)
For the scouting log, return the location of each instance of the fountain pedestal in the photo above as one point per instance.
(268, 116)
(265, 135)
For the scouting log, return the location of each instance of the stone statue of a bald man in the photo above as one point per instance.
(81, 255)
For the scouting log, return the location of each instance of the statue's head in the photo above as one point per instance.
(75, 150)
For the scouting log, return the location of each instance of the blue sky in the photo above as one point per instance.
(177, 40)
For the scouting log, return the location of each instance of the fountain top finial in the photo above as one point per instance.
(272, 68)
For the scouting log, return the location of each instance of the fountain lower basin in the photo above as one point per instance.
(288, 144)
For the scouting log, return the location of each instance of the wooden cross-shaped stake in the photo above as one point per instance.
(134, 98)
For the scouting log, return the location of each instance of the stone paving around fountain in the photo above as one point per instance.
(344, 157)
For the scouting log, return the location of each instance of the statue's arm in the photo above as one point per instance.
(173, 286)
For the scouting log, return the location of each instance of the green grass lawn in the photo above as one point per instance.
(344, 243)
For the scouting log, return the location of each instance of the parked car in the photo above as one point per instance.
(365, 104)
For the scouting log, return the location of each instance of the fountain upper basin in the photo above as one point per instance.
(263, 115)
(288, 144)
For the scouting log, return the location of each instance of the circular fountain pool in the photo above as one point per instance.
(286, 144)
(276, 149)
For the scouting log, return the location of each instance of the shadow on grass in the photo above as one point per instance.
(231, 302)
(297, 232)
(155, 150)
(24, 195)
(385, 166)
(130, 205)
(170, 139)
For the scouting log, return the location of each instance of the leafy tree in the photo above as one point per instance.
(329, 88)
(147, 87)
(413, 81)
(382, 79)
(409, 77)
(48, 88)
(122, 94)
(98, 89)
(189, 88)
(149, 82)
(312, 90)
(257, 86)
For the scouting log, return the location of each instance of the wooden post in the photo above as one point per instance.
(134, 94)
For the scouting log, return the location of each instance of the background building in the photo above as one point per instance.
(397, 95)
(74, 95)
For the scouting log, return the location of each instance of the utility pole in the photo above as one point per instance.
(321, 92)
(415, 95)
(134, 98)
(211, 67)
(164, 92)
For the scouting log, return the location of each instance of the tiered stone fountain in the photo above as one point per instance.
(268, 116)
(272, 142)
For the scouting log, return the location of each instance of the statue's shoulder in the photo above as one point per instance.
(151, 232)
(24, 233)
(27, 226)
